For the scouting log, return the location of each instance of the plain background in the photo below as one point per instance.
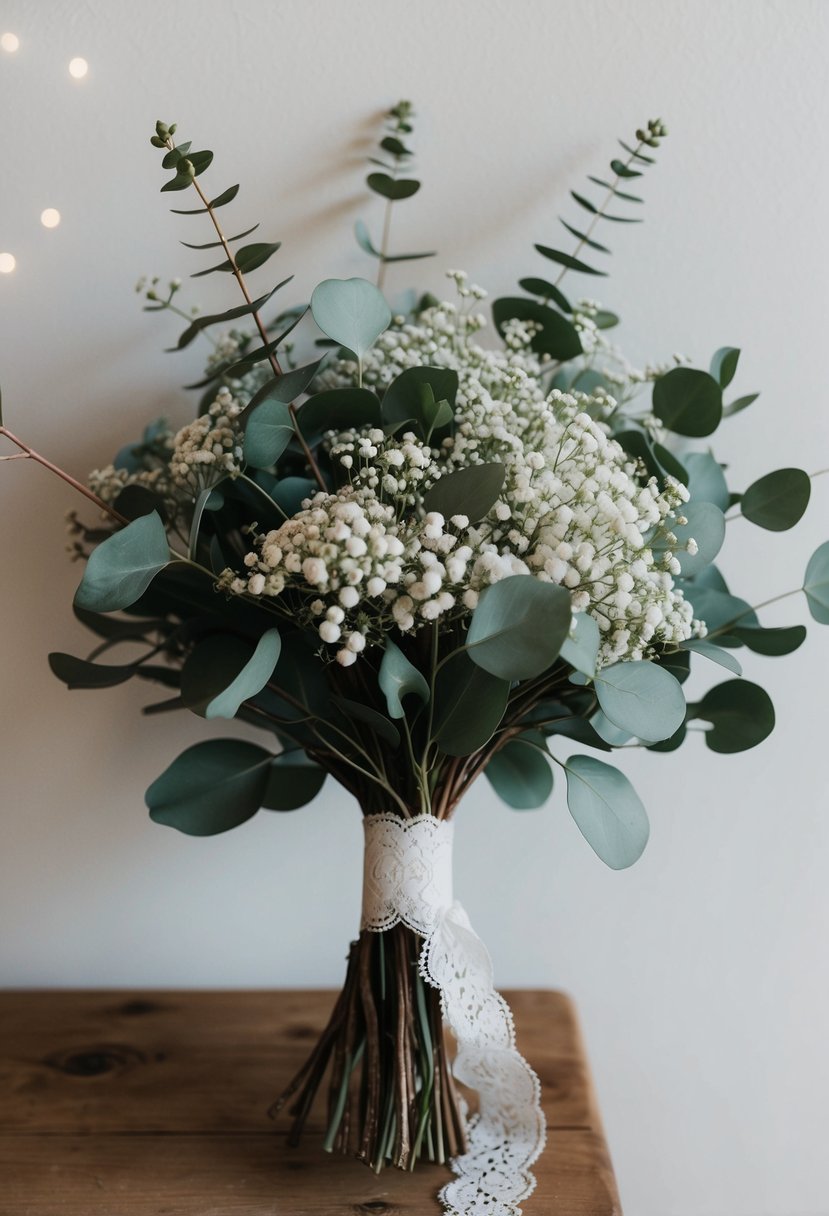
(700, 973)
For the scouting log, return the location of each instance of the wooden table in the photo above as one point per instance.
(131, 1104)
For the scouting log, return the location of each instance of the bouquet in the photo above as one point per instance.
(408, 554)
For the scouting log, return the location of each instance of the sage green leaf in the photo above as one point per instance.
(641, 697)
(607, 810)
(222, 671)
(251, 679)
(568, 261)
(519, 627)
(285, 387)
(521, 774)
(80, 673)
(394, 188)
(706, 480)
(622, 170)
(816, 584)
(364, 240)
(227, 196)
(269, 429)
(469, 705)
(581, 646)
(557, 336)
(203, 502)
(778, 500)
(289, 493)
(706, 525)
(398, 678)
(720, 611)
(351, 311)
(688, 402)
(121, 568)
(724, 365)
(771, 642)
(741, 716)
(547, 291)
(670, 745)
(605, 319)
(294, 780)
(211, 787)
(338, 409)
(715, 653)
(403, 399)
(200, 161)
(471, 491)
(580, 730)
(610, 734)
(742, 403)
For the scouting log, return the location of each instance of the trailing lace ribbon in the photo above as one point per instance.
(408, 879)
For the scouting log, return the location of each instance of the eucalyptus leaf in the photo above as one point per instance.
(607, 810)
(380, 725)
(724, 365)
(816, 584)
(471, 491)
(351, 311)
(338, 409)
(204, 322)
(403, 399)
(557, 336)
(294, 780)
(227, 196)
(269, 429)
(80, 673)
(547, 291)
(469, 706)
(741, 716)
(641, 697)
(222, 671)
(706, 479)
(211, 787)
(688, 401)
(121, 568)
(136, 500)
(581, 646)
(771, 642)
(742, 403)
(518, 627)
(398, 678)
(393, 188)
(706, 525)
(568, 261)
(715, 653)
(778, 500)
(521, 774)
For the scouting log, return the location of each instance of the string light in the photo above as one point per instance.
(78, 68)
(10, 43)
(7, 263)
(50, 218)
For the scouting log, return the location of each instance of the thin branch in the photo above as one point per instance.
(31, 454)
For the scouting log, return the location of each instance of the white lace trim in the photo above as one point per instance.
(408, 879)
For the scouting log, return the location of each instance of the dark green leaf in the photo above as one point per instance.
(200, 161)
(771, 642)
(285, 387)
(471, 491)
(607, 810)
(778, 500)
(622, 170)
(548, 291)
(200, 323)
(248, 258)
(134, 501)
(715, 653)
(469, 706)
(121, 568)
(293, 781)
(219, 244)
(520, 774)
(557, 337)
(584, 238)
(380, 725)
(568, 261)
(227, 196)
(724, 365)
(80, 673)
(390, 144)
(519, 627)
(211, 787)
(338, 409)
(741, 716)
(688, 402)
(269, 429)
(394, 188)
(222, 671)
(403, 399)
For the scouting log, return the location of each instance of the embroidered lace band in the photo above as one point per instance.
(408, 879)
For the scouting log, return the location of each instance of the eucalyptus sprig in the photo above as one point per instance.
(397, 157)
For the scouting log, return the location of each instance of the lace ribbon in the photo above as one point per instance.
(408, 878)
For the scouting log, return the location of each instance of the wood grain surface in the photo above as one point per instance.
(131, 1104)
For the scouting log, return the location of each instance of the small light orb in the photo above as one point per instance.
(10, 43)
(50, 218)
(7, 263)
(78, 68)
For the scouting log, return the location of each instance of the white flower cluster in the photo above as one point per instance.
(395, 469)
(209, 448)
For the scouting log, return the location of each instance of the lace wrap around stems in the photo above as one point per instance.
(408, 879)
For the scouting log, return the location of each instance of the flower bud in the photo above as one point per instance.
(157, 142)
(162, 130)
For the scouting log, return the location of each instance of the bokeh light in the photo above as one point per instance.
(50, 218)
(78, 68)
(10, 43)
(7, 263)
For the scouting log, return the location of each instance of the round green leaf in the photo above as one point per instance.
(607, 810)
(472, 491)
(269, 429)
(706, 480)
(641, 697)
(581, 646)
(772, 642)
(469, 706)
(557, 337)
(741, 716)
(777, 501)
(816, 584)
(122, 567)
(403, 399)
(519, 627)
(688, 402)
(394, 188)
(293, 781)
(706, 525)
(397, 678)
(520, 774)
(724, 365)
(211, 787)
(338, 409)
(351, 311)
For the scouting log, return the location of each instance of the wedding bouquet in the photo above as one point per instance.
(418, 556)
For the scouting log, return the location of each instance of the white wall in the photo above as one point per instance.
(700, 973)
